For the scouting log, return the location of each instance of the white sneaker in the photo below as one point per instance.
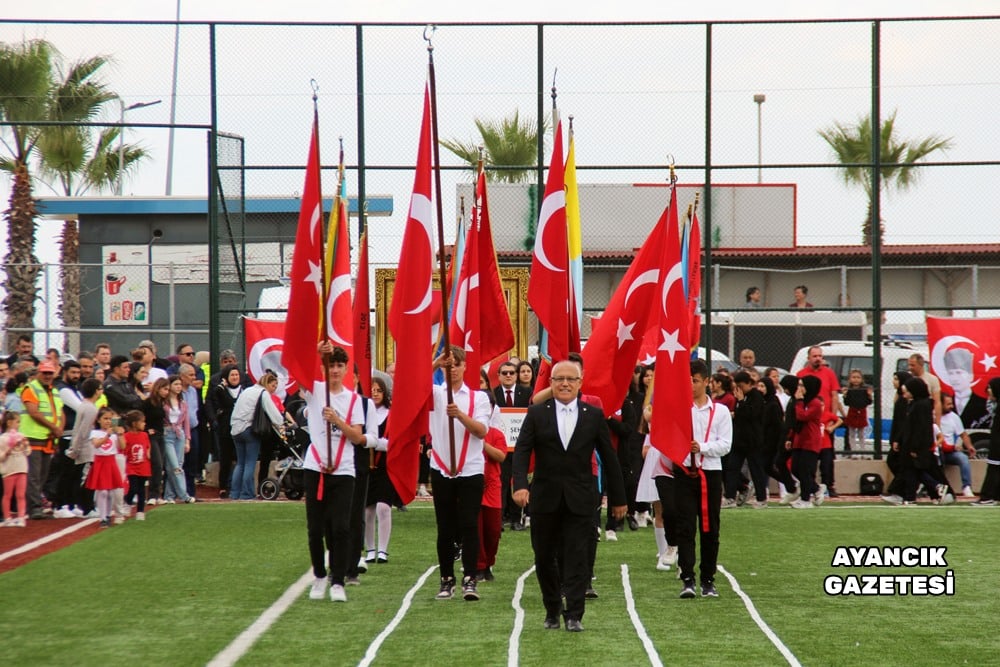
(140, 516)
(611, 536)
(801, 504)
(77, 512)
(422, 492)
(893, 499)
(337, 593)
(92, 514)
(318, 589)
(790, 496)
(671, 555)
(967, 492)
(662, 564)
(118, 520)
(63, 513)
(728, 503)
(641, 520)
(819, 496)
(947, 499)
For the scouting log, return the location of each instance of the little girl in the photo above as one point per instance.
(104, 475)
(14, 453)
(857, 398)
(137, 466)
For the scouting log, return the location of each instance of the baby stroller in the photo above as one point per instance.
(289, 478)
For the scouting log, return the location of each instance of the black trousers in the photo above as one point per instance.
(804, 469)
(826, 457)
(758, 465)
(561, 540)
(667, 491)
(456, 508)
(688, 496)
(328, 522)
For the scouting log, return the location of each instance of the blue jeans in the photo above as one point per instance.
(960, 459)
(247, 451)
(173, 458)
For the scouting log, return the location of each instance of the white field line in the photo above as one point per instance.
(25, 548)
(403, 608)
(514, 645)
(784, 650)
(239, 646)
(640, 629)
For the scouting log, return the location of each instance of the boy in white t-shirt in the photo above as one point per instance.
(954, 439)
(335, 420)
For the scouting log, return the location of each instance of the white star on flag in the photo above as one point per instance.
(468, 341)
(624, 332)
(989, 362)
(315, 277)
(670, 343)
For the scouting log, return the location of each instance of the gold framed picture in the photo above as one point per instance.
(515, 287)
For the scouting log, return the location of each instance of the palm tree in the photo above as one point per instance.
(33, 90)
(852, 146)
(73, 163)
(510, 146)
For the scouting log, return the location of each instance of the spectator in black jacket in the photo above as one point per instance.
(748, 442)
(118, 389)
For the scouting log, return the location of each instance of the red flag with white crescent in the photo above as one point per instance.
(670, 425)
(548, 290)
(465, 329)
(496, 333)
(617, 337)
(339, 309)
(964, 354)
(694, 280)
(302, 324)
(410, 321)
(265, 341)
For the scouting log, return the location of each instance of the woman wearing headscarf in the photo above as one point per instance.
(894, 491)
(221, 400)
(990, 491)
(917, 445)
(789, 427)
(807, 442)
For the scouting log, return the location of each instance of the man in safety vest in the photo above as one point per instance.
(42, 424)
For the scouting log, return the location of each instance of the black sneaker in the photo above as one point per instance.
(590, 594)
(708, 590)
(488, 574)
(469, 591)
(447, 591)
(687, 592)
(633, 524)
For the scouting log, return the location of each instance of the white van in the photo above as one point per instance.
(843, 355)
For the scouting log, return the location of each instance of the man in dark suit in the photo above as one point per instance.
(510, 394)
(563, 433)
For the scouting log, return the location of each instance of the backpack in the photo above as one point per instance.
(870, 484)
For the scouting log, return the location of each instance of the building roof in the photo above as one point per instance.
(378, 205)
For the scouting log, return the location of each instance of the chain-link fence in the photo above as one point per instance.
(766, 119)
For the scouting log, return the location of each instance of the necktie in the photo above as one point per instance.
(564, 427)
(510, 401)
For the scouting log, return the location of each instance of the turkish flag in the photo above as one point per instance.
(548, 290)
(465, 329)
(496, 332)
(670, 425)
(302, 324)
(265, 341)
(410, 322)
(694, 280)
(362, 321)
(617, 337)
(964, 352)
(339, 309)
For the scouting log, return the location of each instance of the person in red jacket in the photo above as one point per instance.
(807, 442)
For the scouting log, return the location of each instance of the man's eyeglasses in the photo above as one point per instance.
(508, 372)
(188, 354)
(565, 378)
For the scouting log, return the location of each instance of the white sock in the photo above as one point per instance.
(370, 528)
(384, 513)
(661, 540)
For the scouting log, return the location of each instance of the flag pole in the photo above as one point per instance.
(324, 280)
(446, 339)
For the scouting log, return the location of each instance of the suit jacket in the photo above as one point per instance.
(521, 396)
(976, 414)
(566, 474)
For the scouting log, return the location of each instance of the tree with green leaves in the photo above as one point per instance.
(510, 147)
(36, 89)
(852, 145)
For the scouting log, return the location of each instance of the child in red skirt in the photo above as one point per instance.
(104, 474)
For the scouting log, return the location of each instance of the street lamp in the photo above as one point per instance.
(759, 99)
(121, 137)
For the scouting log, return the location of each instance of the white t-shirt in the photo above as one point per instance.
(441, 458)
(316, 455)
(952, 428)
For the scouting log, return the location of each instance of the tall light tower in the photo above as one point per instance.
(121, 137)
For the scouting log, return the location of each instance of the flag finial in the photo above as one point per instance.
(429, 35)
(673, 174)
(315, 88)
